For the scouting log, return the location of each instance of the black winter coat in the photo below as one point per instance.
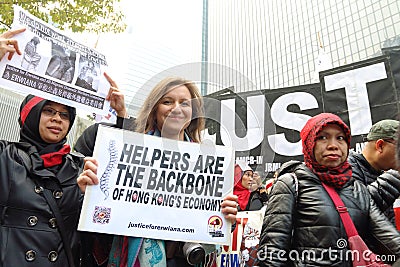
(384, 187)
(28, 233)
(257, 199)
(305, 220)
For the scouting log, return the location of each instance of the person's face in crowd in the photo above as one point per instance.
(330, 148)
(387, 158)
(54, 122)
(256, 180)
(247, 179)
(174, 112)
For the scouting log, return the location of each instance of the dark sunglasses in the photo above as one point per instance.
(51, 112)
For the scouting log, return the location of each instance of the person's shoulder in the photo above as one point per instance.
(288, 167)
(357, 161)
(77, 154)
(288, 179)
(85, 143)
(3, 143)
(288, 172)
(358, 186)
(93, 129)
(352, 155)
(76, 157)
(355, 158)
(361, 167)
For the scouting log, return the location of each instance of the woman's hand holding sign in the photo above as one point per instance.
(89, 174)
(229, 207)
(166, 176)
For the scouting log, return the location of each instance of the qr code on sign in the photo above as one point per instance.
(101, 215)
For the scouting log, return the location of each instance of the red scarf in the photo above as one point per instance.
(239, 190)
(55, 158)
(336, 176)
(243, 195)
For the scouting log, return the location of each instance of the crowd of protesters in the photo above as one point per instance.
(43, 185)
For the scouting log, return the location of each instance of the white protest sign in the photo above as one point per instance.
(158, 188)
(245, 238)
(54, 66)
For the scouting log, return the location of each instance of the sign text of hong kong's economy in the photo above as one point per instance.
(158, 188)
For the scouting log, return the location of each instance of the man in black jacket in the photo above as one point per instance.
(376, 166)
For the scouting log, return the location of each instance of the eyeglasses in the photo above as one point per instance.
(391, 141)
(51, 112)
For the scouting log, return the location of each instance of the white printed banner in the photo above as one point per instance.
(158, 188)
(54, 66)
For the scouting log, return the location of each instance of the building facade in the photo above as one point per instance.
(160, 36)
(282, 43)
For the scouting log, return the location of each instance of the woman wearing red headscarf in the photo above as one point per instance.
(301, 225)
(243, 184)
(250, 195)
(35, 171)
(39, 197)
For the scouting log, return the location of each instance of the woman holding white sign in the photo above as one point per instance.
(39, 196)
(38, 189)
(38, 183)
(173, 110)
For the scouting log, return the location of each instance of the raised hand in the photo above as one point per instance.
(116, 98)
(9, 45)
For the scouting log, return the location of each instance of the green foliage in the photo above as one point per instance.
(91, 117)
(77, 15)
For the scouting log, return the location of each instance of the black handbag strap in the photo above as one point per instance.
(54, 208)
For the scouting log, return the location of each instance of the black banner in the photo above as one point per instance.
(23, 77)
(263, 126)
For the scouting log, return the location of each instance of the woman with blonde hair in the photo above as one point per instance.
(147, 114)
(173, 110)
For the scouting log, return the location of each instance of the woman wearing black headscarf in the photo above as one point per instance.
(38, 187)
(301, 225)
